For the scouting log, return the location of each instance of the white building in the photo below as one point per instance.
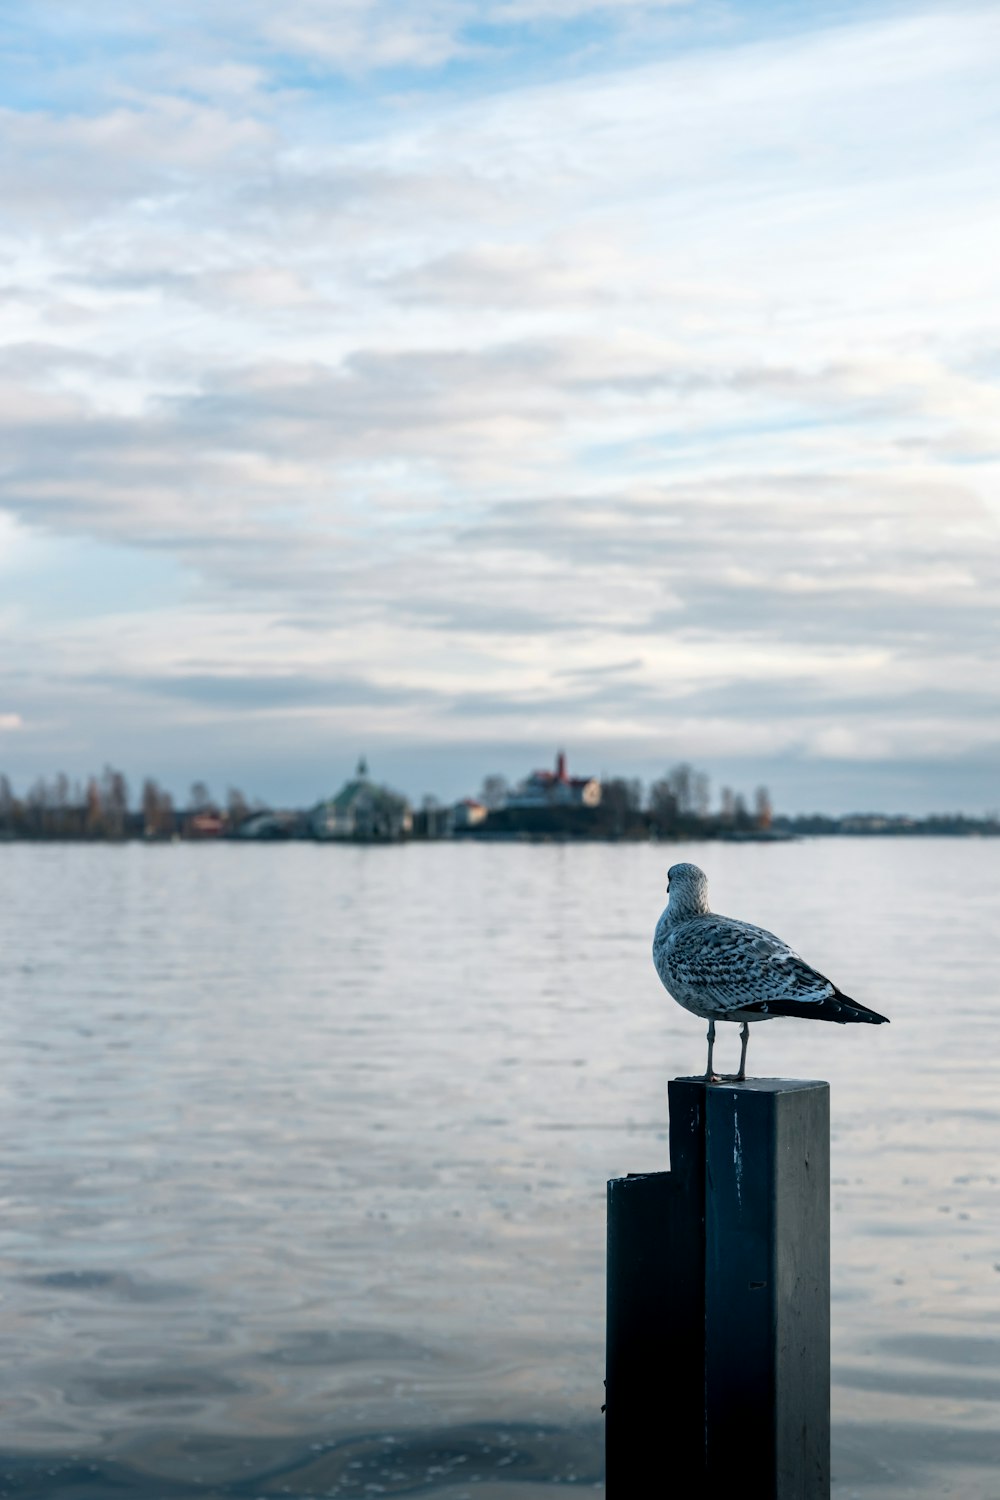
(467, 814)
(556, 789)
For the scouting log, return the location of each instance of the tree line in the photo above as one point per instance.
(677, 805)
(100, 807)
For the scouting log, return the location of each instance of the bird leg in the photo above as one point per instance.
(709, 1075)
(744, 1038)
(740, 1077)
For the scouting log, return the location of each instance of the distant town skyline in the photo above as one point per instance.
(462, 776)
(547, 803)
(457, 381)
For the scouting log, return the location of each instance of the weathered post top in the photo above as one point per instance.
(750, 1085)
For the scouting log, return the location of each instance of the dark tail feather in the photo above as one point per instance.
(836, 1007)
(857, 1012)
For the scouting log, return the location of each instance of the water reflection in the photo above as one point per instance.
(303, 1150)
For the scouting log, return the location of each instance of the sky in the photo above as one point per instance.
(454, 381)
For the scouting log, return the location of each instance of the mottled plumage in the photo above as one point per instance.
(723, 970)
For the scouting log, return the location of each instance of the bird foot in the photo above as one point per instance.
(730, 1078)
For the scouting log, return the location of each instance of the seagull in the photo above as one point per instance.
(723, 970)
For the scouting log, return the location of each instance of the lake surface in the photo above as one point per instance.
(303, 1155)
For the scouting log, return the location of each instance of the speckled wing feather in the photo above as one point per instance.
(720, 967)
(726, 966)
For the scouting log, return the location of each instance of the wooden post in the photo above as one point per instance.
(718, 1362)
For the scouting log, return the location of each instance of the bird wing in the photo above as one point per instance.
(737, 968)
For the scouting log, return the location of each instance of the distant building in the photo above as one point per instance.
(267, 825)
(467, 814)
(362, 811)
(206, 823)
(556, 788)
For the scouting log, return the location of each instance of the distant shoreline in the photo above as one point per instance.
(547, 806)
(910, 832)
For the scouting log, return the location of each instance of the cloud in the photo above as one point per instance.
(224, 48)
(266, 692)
(654, 401)
(365, 36)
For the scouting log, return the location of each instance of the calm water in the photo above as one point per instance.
(303, 1153)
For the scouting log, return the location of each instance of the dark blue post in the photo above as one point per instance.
(718, 1369)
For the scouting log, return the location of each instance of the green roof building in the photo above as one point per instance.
(363, 812)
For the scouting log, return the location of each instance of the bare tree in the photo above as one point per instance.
(114, 795)
(494, 793)
(37, 806)
(94, 815)
(157, 810)
(762, 808)
(200, 798)
(663, 810)
(167, 819)
(681, 781)
(237, 807)
(621, 801)
(150, 807)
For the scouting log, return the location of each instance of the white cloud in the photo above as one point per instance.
(437, 403)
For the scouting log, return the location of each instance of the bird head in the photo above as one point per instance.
(687, 887)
